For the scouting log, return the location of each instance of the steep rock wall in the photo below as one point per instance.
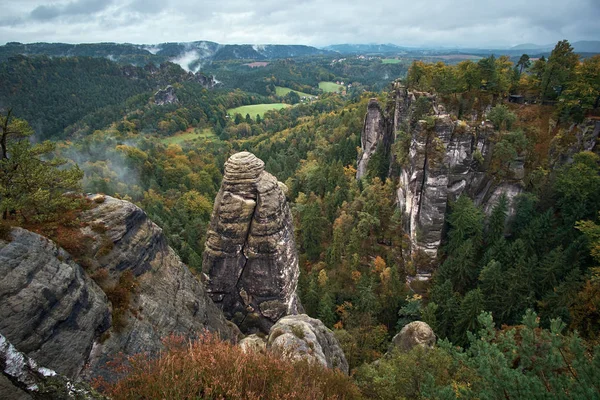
(48, 304)
(167, 298)
(445, 159)
(250, 255)
(52, 310)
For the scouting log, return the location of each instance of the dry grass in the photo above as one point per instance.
(120, 297)
(209, 368)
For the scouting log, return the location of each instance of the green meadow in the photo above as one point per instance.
(255, 109)
(329, 87)
(391, 61)
(196, 133)
(282, 91)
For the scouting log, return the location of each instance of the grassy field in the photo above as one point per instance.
(390, 61)
(330, 87)
(254, 109)
(282, 91)
(456, 57)
(192, 134)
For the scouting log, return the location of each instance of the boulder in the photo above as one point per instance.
(303, 337)
(416, 333)
(253, 343)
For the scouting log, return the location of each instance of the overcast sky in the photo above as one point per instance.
(483, 23)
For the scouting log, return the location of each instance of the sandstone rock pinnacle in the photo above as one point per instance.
(250, 255)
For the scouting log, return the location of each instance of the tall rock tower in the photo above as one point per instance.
(374, 129)
(250, 254)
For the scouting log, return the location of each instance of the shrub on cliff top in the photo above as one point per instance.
(209, 368)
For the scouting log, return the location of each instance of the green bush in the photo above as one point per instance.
(403, 375)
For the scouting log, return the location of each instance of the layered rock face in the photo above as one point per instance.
(300, 336)
(441, 167)
(373, 132)
(48, 303)
(49, 308)
(34, 381)
(445, 159)
(52, 311)
(167, 298)
(250, 255)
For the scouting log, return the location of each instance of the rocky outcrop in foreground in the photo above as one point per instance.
(48, 304)
(167, 299)
(52, 311)
(300, 336)
(250, 255)
(38, 382)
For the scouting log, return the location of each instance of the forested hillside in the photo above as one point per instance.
(512, 288)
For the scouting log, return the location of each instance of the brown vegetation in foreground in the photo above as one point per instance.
(209, 368)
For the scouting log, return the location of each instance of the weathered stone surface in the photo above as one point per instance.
(167, 299)
(209, 82)
(49, 308)
(416, 333)
(253, 343)
(510, 190)
(300, 336)
(166, 96)
(441, 168)
(37, 382)
(250, 256)
(374, 129)
(446, 158)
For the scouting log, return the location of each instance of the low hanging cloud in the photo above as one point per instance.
(466, 23)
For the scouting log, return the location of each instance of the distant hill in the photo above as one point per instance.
(589, 46)
(365, 48)
(190, 55)
(531, 46)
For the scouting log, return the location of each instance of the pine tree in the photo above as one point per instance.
(326, 311)
(448, 305)
(311, 300)
(493, 286)
(33, 183)
(466, 321)
(497, 220)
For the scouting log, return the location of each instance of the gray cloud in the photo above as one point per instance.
(313, 22)
(75, 8)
